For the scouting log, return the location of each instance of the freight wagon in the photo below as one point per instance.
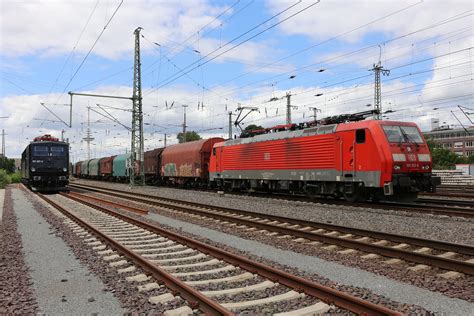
(94, 169)
(188, 163)
(121, 167)
(106, 167)
(152, 162)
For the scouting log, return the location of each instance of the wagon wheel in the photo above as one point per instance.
(352, 197)
(355, 195)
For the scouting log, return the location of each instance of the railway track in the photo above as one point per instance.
(422, 253)
(450, 202)
(460, 208)
(190, 269)
(456, 191)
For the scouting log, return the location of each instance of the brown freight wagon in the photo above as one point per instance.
(77, 169)
(152, 161)
(106, 167)
(188, 163)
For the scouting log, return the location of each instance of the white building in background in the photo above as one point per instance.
(458, 140)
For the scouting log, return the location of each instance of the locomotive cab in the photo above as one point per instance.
(410, 164)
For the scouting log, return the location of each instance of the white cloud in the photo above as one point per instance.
(331, 18)
(52, 27)
(110, 138)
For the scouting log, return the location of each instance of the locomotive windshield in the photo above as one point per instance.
(402, 134)
(46, 151)
(58, 151)
(40, 151)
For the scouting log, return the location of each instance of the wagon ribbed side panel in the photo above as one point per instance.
(106, 166)
(152, 161)
(94, 167)
(119, 168)
(85, 168)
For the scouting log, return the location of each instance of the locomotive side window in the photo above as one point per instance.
(360, 136)
(40, 151)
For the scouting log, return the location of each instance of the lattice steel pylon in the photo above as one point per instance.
(378, 68)
(137, 150)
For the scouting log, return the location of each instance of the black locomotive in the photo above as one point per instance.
(45, 164)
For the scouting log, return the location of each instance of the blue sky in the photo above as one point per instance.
(328, 48)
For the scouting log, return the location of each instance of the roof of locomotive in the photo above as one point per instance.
(311, 131)
(47, 142)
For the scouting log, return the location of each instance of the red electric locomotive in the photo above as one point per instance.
(340, 156)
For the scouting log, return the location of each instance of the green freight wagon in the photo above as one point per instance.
(121, 167)
(94, 168)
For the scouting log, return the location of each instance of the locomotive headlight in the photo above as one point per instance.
(33, 169)
(64, 169)
(399, 157)
(424, 157)
(425, 167)
(397, 167)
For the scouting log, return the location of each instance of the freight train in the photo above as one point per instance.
(341, 156)
(45, 164)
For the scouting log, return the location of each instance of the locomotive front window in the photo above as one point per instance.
(412, 133)
(57, 151)
(40, 151)
(402, 134)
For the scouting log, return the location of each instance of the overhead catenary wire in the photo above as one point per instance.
(206, 25)
(454, 18)
(335, 37)
(172, 78)
(92, 47)
(73, 49)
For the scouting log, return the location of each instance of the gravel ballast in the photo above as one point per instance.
(16, 292)
(62, 284)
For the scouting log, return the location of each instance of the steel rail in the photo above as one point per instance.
(456, 194)
(439, 245)
(127, 207)
(324, 293)
(195, 298)
(405, 207)
(467, 203)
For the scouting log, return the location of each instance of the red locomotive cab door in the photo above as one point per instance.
(347, 150)
(215, 159)
(359, 147)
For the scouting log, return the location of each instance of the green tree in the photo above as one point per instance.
(7, 164)
(444, 158)
(4, 179)
(190, 136)
(252, 127)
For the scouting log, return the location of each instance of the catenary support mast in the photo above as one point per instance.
(137, 146)
(377, 69)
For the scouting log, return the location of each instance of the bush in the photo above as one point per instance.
(15, 177)
(4, 179)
